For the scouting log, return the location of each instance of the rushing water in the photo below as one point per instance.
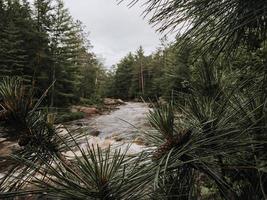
(119, 127)
(124, 122)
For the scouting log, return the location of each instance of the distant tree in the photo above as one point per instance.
(138, 80)
(177, 69)
(123, 77)
(88, 76)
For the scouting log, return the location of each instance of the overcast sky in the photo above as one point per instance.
(114, 29)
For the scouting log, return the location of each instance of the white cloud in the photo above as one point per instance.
(114, 29)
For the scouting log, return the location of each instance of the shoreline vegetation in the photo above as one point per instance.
(86, 111)
(205, 132)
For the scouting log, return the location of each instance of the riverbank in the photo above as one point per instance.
(118, 128)
(77, 112)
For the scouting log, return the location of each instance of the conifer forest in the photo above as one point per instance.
(186, 121)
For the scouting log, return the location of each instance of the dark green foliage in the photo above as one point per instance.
(67, 117)
(97, 174)
(39, 139)
(16, 104)
(123, 77)
(160, 74)
(12, 50)
(214, 24)
(44, 44)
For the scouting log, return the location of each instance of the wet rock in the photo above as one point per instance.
(139, 141)
(94, 133)
(89, 111)
(120, 102)
(62, 131)
(136, 100)
(86, 110)
(117, 138)
(94, 142)
(74, 109)
(78, 124)
(8, 147)
(2, 140)
(110, 102)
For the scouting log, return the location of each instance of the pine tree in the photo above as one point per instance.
(43, 45)
(13, 56)
(123, 77)
(66, 46)
(138, 82)
(40, 51)
(88, 76)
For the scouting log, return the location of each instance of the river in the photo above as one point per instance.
(119, 129)
(123, 122)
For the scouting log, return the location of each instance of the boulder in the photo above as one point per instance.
(79, 123)
(136, 100)
(74, 109)
(2, 140)
(88, 110)
(120, 102)
(110, 102)
(94, 133)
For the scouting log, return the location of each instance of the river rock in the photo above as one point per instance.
(110, 102)
(2, 139)
(86, 110)
(89, 111)
(94, 133)
(8, 147)
(120, 102)
(74, 109)
(78, 123)
(139, 141)
(117, 138)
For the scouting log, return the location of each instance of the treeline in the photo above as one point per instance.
(171, 70)
(43, 44)
(159, 74)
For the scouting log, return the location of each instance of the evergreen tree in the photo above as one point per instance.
(65, 47)
(13, 55)
(123, 77)
(88, 76)
(43, 44)
(40, 50)
(138, 80)
(177, 70)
